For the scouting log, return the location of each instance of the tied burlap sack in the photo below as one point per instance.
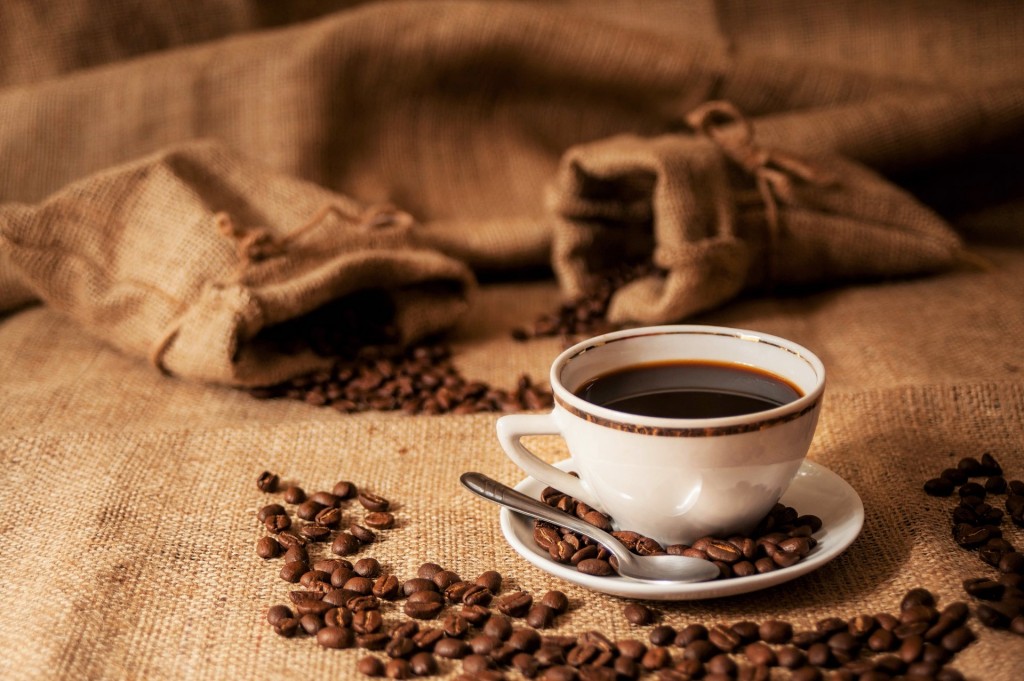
(715, 214)
(202, 262)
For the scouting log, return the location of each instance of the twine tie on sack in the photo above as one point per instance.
(258, 244)
(773, 171)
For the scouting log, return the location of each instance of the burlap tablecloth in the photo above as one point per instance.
(129, 505)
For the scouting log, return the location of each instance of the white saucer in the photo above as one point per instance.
(815, 490)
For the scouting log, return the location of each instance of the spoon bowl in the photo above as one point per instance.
(659, 568)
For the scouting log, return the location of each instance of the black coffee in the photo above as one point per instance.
(688, 389)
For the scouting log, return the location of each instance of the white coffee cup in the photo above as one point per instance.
(675, 479)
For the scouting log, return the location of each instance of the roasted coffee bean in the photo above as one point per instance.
(482, 644)
(746, 630)
(289, 539)
(515, 604)
(995, 484)
(1017, 625)
(550, 655)
(996, 615)
(958, 639)
(375, 641)
(294, 495)
(691, 633)
(370, 666)
(422, 610)
(701, 650)
(475, 664)
(662, 635)
(338, 617)
(276, 613)
(721, 664)
(764, 564)
(939, 487)
(820, 655)
(329, 517)
(723, 638)
(476, 595)
(315, 533)
(585, 553)
(267, 482)
(807, 673)
(367, 567)
(267, 548)
(292, 572)
(451, 648)
(277, 523)
(954, 475)
(491, 580)
(367, 622)
(844, 642)
(775, 631)
(361, 533)
(525, 640)
(969, 536)
(989, 465)
(545, 536)
(379, 520)
(397, 668)
(918, 613)
(881, 640)
(308, 509)
(326, 499)
(269, 510)
(540, 616)
(455, 626)
(744, 568)
(724, 551)
(373, 502)
(559, 673)
(411, 586)
(910, 649)
(344, 490)
(760, 654)
(444, 579)
(345, 544)
(1012, 563)
(474, 614)
(330, 564)
(335, 637)
(598, 520)
(311, 623)
(861, 625)
(791, 657)
(984, 588)
(596, 567)
(972, 489)
(562, 552)
(341, 575)
(426, 639)
(639, 615)
(525, 664)
(970, 466)
(631, 648)
(287, 627)
(657, 657)
(309, 577)
(400, 647)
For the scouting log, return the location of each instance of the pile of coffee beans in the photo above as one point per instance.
(587, 315)
(373, 371)
(782, 539)
(977, 525)
(416, 380)
(918, 642)
(436, 622)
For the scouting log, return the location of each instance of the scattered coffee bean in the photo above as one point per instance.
(397, 668)
(345, 544)
(379, 520)
(662, 635)
(373, 502)
(639, 615)
(335, 637)
(267, 548)
(307, 510)
(267, 482)
(515, 604)
(492, 581)
(370, 666)
(294, 495)
(540, 616)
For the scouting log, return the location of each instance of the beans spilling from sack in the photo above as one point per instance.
(436, 622)
(586, 315)
(977, 525)
(781, 540)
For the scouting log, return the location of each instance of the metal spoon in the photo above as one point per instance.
(662, 568)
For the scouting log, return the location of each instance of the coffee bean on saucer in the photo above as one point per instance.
(596, 567)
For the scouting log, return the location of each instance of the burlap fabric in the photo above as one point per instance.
(131, 499)
(191, 257)
(129, 496)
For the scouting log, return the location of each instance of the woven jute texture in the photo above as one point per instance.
(130, 506)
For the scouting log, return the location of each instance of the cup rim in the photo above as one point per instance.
(721, 425)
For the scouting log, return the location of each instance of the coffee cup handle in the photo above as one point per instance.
(513, 427)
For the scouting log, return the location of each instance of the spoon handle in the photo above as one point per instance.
(492, 490)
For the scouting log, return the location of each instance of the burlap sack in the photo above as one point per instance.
(200, 260)
(717, 214)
